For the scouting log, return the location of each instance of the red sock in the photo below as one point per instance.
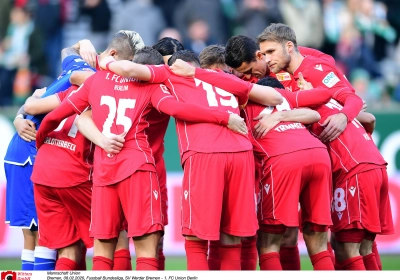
(377, 256)
(161, 259)
(355, 263)
(370, 262)
(331, 253)
(146, 264)
(196, 254)
(290, 257)
(270, 261)
(102, 263)
(122, 260)
(66, 264)
(214, 263)
(230, 256)
(249, 254)
(322, 261)
(82, 264)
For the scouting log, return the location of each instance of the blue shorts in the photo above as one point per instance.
(20, 203)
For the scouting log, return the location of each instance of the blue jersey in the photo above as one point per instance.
(19, 151)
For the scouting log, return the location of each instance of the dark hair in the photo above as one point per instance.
(126, 43)
(278, 32)
(271, 82)
(240, 49)
(212, 55)
(185, 55)
(168, 46)
(148, 55)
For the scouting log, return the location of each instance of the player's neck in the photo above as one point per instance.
(295, 62)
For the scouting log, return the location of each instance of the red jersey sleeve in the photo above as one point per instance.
(63, 94)
(307, 98)
(227, 82)
(159, 73)
(163, 101)
(320, 73)
(79, 99)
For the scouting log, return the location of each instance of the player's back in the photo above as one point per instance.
(353, 146)
(202, 137)
(284, 138)
(120, 105)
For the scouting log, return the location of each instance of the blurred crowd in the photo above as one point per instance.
(362, 35)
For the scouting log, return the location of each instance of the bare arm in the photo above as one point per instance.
(367, 120)
(36, 106)
(83, 48)
(78, 77)
(269, 121)
(126, 68)
(87, 127)
(264, 95)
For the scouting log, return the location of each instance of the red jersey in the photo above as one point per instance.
(320, 73)
(285, 137)
(119, 104)
(66, 159)
(204, 137)
(352, 148)
(158, 124)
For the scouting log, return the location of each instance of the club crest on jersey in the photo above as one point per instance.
(330, 80)
(283, 76)
(164, 89)
(318, 67)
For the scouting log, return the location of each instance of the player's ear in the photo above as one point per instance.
(112, 53)
(259, 55)
(289, 46)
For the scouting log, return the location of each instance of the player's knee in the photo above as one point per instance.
(290, 237)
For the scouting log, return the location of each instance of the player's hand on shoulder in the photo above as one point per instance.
(88, 52)
(113, 144)
(334, 126)
(237, 124)
(103, 63)
(303, 84)
(265, 124)
(26, 129)
(182, 68)
(364, 107)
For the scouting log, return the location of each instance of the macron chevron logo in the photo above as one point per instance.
(318, 67)
(266, 188)
(186, 193)
(340, 214)
(155, 194)
(352, 190)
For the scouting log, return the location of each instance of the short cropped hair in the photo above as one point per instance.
(278, 32)
(212, 55)
(148, 55)
(168, 46)
(271, 82)
(126, 43)
(240, 49)
(185, 55)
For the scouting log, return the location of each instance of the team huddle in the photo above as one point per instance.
(272, 138)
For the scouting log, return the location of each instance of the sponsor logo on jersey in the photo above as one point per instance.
(283, 76)
(330, 80)
(352, 190)
(318, 67)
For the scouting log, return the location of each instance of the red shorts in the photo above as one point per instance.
(64, 215)
(362, 202)
(218, 195)
(162, 181)
(300, 177)
(136, 199)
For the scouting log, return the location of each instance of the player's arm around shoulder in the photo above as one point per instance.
(79, 77)
(126, 68)
(265, 95)
(35, 105)
(83, 48)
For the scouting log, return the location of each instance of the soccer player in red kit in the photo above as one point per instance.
(221, 219)
(125, 183)
(358, 177)
(285, 187)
